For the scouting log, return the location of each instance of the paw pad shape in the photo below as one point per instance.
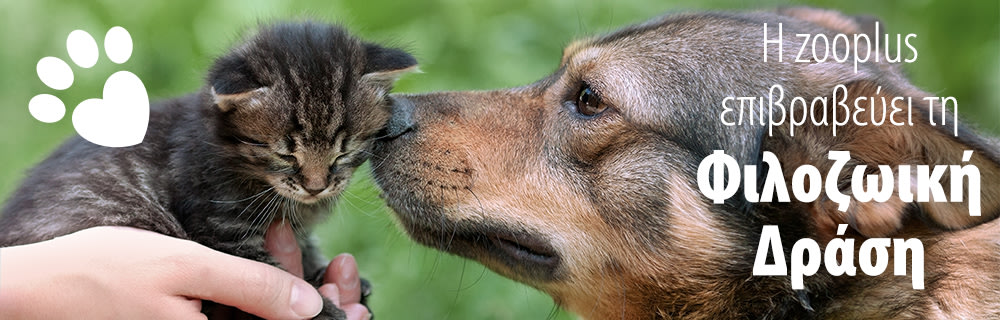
(120, 117)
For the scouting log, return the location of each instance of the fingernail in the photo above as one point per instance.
(348, 273)
(305, 301)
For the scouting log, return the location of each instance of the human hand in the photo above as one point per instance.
(342, 284)
(127, 273)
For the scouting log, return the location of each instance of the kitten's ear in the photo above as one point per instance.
(387, 64)
(228, 102)
(234, 83)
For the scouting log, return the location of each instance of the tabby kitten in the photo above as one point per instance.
(276, 133)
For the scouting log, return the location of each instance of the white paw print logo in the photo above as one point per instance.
(120, 118)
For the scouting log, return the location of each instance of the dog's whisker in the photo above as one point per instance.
(600, 293)
(451, 239)
(454, 300)
(553, 312)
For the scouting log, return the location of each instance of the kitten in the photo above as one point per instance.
(275, 134)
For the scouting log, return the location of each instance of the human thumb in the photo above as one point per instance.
(251, 286)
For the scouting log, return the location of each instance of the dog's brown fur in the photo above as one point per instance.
(604, 213)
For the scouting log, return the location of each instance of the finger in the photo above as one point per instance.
(280, 241)
(179, 308)
(252, 286)
(343, 271)
(356, 311)
(331, 292)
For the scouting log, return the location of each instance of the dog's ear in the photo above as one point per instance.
(917, 142)
(833, 20)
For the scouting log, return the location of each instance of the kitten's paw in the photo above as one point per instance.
(316, 278)
(120, 118)
(330, 312)
(366, 291)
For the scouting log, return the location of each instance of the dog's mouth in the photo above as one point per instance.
(519, 254)
(515, 251)
(529, 250)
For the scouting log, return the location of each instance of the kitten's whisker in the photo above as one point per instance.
(373, 157)
(371, 154)
(346, 198)
(287, 214)
(245, 199)
(268, 213)
(366, 200)
(211, 143)
(284, 211)
(273, 213)
(297, 220)
(271, 210)
(255, 198)
(259, 218)
(252, 218)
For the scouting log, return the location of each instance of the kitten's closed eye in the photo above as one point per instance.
(340, 158)
(289, 158)
(251, 141)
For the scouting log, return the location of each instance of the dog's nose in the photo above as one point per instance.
(401, 120)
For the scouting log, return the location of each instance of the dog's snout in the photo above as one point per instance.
(401, 119)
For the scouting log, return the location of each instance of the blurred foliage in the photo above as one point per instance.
(461, 45)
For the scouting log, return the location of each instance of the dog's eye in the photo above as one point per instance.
(588, 103)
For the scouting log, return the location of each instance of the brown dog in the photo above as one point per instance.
(583, 184)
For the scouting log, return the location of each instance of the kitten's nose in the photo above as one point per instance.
(401, 120)
(314, 192)
(314, 183)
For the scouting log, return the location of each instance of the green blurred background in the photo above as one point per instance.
(461, 45)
